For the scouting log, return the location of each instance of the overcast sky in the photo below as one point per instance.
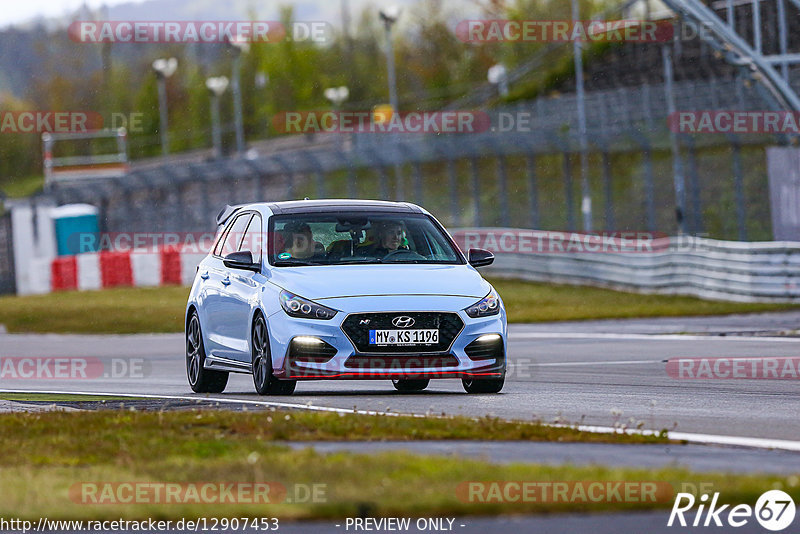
(19, 11)
(15, 11)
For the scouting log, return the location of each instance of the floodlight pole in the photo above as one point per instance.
(586, 202)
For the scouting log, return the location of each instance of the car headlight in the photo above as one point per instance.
(295, 306)
(488, 305)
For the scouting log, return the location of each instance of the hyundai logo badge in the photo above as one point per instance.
(403, 321)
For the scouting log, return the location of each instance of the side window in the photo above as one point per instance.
(219, 240)
(253, 239)
(235, 235)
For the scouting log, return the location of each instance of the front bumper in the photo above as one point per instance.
(337, 356)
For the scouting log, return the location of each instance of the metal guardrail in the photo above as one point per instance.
(706, 268)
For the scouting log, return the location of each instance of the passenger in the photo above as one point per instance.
(299, 242)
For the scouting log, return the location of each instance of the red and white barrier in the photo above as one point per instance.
(117, 269)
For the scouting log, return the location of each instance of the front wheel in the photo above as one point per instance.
(491, 385)
(406, 384)
(263, 379)
(201, 380)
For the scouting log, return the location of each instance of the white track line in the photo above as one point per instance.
(222, 400)
(622, 362)
(708, 439)
(647, 337)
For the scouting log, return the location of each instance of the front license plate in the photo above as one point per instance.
(403, 337)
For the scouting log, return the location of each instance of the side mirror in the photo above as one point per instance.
(480, 258)
(241, 260)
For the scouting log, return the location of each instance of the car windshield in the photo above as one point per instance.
(341, 239)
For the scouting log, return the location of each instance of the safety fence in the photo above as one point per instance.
(685, 265)
(526, 179)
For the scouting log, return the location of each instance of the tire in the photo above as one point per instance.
(491, 385)
(263, 379)
(407, 384)
(201, 380)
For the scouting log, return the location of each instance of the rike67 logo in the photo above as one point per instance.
(774, 510)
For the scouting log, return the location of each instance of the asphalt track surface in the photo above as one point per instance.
(596, 373)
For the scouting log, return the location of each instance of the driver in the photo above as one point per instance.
(389, 236)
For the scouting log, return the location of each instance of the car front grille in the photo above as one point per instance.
(358, 325)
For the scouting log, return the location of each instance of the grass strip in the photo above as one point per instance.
(142, 431)
(528, 302)
(160, 310)
(50, 459)
(59, 397)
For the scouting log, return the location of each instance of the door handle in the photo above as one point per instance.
(226, 281)
(205, 276)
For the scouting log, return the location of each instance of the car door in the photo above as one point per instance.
(219, 305)
(243, 289)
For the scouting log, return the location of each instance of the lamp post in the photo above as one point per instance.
(586, 192)
(164, 68)
(216, 86)
(389, 16)
(337, 97)
(498, 76)
(238, 46)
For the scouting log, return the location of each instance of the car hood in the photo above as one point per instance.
(336, 281)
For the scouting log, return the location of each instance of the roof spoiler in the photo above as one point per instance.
(226, 213)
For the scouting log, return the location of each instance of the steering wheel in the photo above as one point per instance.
(400, 251)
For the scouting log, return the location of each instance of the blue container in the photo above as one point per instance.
(77, 229)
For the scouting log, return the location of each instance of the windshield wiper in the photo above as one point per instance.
(294, 263)
(358, 260)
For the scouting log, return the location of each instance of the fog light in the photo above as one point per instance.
(308, 340)
(309, 349)
(486, 347)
